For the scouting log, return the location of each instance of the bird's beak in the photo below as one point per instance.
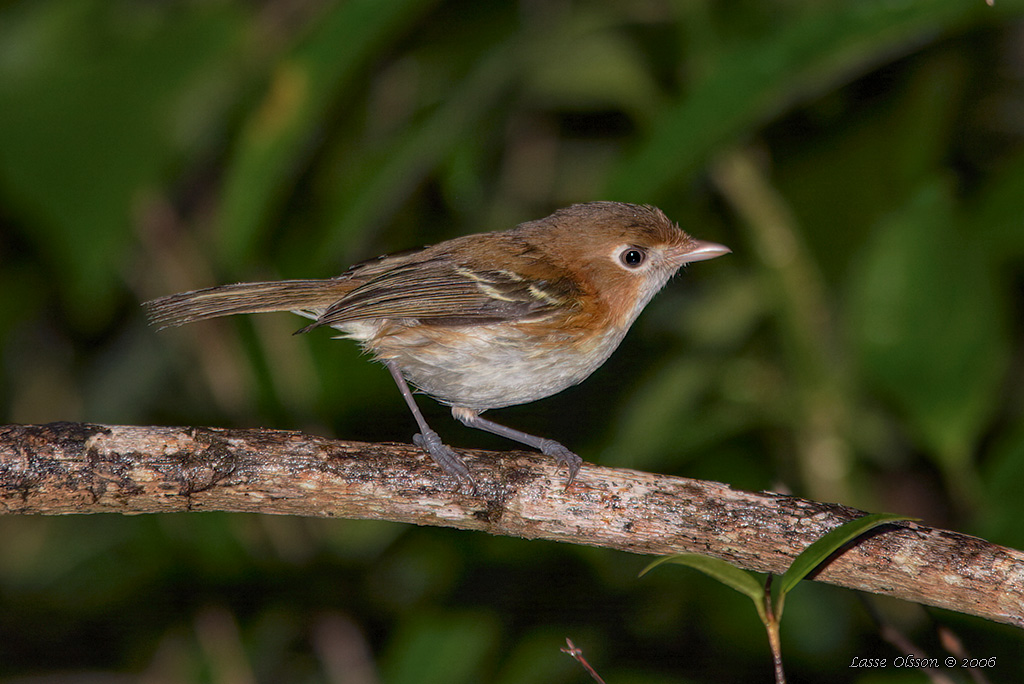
(700, 250)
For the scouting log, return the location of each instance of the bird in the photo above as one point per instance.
(483, 321)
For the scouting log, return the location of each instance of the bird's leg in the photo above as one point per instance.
(427, 439)
(549, 447)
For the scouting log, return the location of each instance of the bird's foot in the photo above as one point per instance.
(560, 453)
(445, 457)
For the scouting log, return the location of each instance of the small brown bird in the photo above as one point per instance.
(484, 321)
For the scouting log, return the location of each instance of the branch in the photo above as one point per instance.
(83, 468)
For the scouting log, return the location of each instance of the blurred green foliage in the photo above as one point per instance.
(863, 159)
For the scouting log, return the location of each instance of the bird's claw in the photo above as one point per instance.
(445, 457)
(560, 453)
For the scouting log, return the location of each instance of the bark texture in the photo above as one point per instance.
(62, 468)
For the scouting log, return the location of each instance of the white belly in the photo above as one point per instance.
(484, 367)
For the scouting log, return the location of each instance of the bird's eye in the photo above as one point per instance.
(632, 257)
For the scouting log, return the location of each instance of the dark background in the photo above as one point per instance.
(864, 160)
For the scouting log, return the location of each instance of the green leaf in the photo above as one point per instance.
(593, 65)
(98, 101)
(756, 81)
(930, 327)
(302, 90)
(911, 131)
(815, 554)
(389, 175)
(742, 581)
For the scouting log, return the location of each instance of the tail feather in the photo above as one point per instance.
(244, 298)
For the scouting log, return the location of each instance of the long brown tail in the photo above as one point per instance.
(245, 298)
